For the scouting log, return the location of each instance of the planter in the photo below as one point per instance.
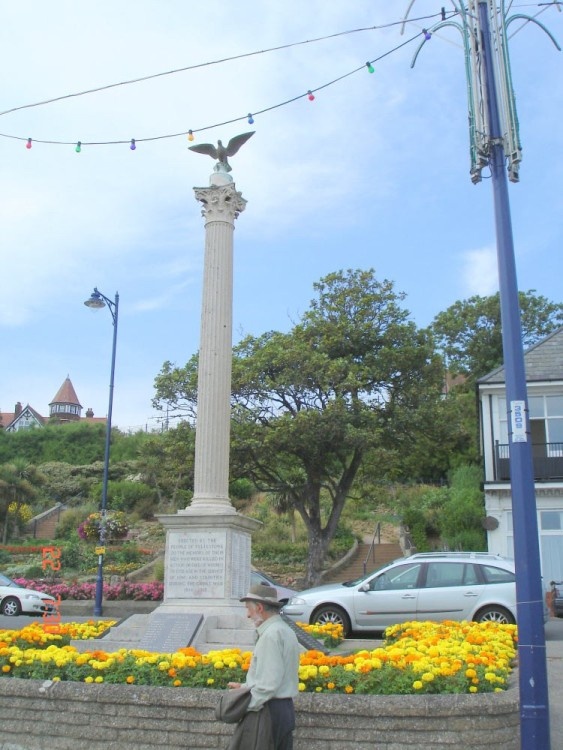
(67, 714)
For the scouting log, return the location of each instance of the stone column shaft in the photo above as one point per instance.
(221, 206)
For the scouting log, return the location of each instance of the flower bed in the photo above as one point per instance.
(124, 590)
(416, 658)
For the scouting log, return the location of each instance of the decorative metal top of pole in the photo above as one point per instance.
(466, 19)
(221, 153)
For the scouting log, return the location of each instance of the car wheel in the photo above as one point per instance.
(11, 607)
(495, 614)
(330, 613)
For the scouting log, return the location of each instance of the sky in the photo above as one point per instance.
(374, 173)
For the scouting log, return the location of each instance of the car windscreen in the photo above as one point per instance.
(357, 581)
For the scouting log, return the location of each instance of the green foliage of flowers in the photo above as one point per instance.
(416, 657)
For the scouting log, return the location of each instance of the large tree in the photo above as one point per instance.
(353, 376)
(469, 332)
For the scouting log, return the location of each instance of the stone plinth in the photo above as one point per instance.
(207, 563)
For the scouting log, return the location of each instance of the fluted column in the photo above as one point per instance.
(221, 206)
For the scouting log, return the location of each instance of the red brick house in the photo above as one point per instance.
(65, 407)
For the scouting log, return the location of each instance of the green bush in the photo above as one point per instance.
(34, 571)
(158, 570)
(69, 522)
(76, 555)
(241, 489)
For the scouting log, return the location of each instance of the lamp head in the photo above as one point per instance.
(95, 301)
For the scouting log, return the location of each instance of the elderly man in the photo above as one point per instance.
(272, 676)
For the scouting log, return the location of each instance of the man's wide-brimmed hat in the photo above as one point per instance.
(261, 592)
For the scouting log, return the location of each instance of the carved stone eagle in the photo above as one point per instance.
(221, 153)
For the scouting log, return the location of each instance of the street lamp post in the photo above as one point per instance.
(96, 301)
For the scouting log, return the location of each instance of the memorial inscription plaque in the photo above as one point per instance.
(240, 565)
(196, 564)
(166, 633)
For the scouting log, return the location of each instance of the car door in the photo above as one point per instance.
(449, 592)
(387, 598)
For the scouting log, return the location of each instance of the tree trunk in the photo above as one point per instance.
(318, 545)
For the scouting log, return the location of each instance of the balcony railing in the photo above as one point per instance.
(547, 457)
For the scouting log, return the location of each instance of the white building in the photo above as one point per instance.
(544, 378)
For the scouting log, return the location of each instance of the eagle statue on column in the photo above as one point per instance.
(220, 152)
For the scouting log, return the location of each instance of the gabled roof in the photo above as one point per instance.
(542, 361)
(66, 395)
(24, 414)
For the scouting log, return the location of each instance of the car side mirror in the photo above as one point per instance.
(364, 588)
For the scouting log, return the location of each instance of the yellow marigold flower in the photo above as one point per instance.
(348, 689)
(417, 684)
(472, 689)
(177, 683)
(6, 668)
(130, 679)
(323, 669)
(99, 678)
(318, 689)
(349, 667)
(56, 679)
(301, 687)
(210, 681)
(330, 685)
(470, 673)
(427, 677)
(89, 679)
(219, 665)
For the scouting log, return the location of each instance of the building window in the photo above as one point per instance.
(546, 423)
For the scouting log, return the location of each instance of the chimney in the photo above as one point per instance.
(18, 409)
(89, 413)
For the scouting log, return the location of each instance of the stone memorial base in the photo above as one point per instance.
(207, 570)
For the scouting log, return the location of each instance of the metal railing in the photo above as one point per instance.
(371, 551)
(547, 459)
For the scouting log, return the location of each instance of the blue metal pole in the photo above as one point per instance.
(114, 310)
(532, 665)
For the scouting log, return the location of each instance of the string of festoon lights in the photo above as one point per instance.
(425, 35)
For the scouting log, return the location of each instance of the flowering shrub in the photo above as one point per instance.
(21, 511)
(139, 592)
(116, 526)
(426, 657)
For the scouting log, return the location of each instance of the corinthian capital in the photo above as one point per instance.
(220, 202)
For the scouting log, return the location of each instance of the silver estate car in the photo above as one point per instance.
(426, 586)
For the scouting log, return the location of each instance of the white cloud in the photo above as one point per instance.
(480, 272)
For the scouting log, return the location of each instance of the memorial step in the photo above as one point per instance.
(234, 637)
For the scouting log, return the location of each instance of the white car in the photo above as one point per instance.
(15, 600)
(426, 586)
(284, 594)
